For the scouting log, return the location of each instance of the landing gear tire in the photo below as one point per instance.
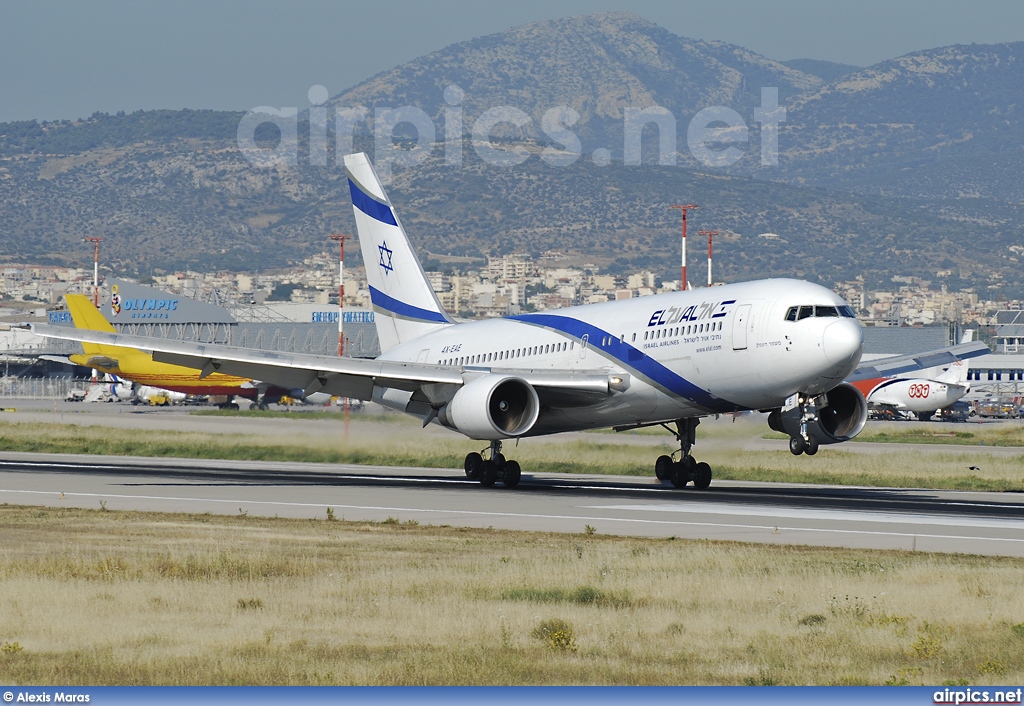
(812, 446)
(496, 468)
(253, 405)
(489, 474)
(473, 465)
(686, 469)
(701, 476)
(512, 474)
(797, 445)
(663, 468)
(681, 472)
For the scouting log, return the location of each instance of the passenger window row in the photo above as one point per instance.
(682, 330)
(606, 341)
(510, 354)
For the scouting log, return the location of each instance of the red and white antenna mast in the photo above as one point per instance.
(684, 209)
(95, 270)
(341, 290)
(710, 234)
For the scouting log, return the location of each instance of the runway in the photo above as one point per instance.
(771, 513)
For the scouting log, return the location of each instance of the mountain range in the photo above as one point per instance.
(910, 166)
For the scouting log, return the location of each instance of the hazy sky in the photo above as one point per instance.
(70, 59)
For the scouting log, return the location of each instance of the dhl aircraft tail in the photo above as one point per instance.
(86, 316)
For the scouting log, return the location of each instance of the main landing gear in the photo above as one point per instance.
(494, 469)
(686, 469)
(804, 442)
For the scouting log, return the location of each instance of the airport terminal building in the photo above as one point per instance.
(286, 327)
(140, 310)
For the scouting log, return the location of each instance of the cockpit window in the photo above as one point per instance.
(796, 313)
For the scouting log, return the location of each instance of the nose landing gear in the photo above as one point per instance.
(805, 442)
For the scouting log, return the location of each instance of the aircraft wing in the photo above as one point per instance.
(346, 377)
(894, 365)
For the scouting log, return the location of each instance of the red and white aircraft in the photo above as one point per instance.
(923, 395)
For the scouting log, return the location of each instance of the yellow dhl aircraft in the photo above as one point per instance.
(139, 368)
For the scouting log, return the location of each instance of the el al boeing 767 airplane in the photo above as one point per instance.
(659, 360)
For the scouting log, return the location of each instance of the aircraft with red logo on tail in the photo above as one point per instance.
(923, 395)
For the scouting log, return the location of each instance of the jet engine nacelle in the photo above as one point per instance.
(492, 407)
(840, 419)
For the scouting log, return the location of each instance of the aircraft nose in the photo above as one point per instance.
(842, 341)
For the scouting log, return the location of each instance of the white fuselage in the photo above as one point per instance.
(691, 353)
(936, 389)
(916, 395)
(121, 390)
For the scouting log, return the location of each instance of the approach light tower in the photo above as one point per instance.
(95, 270)
(341, 238)
(710, 234)
(684, 209)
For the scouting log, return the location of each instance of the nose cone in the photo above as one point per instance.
(842, 342)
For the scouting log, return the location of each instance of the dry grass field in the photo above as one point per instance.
(93, 597)
(735, 451)
(989, 434)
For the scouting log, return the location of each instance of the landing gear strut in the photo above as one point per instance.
(686, 469)
(494, 469)
(805, 442)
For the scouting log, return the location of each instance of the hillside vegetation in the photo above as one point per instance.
(907, 167)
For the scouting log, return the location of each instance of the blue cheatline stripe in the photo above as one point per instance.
(408, 311)
(371, 206)
(633, 359)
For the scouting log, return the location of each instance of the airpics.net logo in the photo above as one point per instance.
(716, 136)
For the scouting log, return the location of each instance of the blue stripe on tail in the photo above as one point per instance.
(371, 206)
(407, 311)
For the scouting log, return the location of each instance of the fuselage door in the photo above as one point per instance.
(739, 327)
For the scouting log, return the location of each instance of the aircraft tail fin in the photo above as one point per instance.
(87, 316)
(404, 304)
(956, 374)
